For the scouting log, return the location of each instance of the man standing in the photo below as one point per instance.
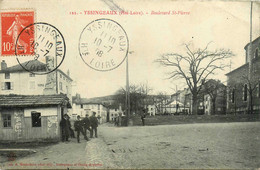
(143, 117)
(86, 124)
(94, 124)
(64, 124)
(79, 128)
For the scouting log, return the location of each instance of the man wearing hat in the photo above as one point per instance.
(79, 128)
(86, 125)
(94, 124)
(65, 128)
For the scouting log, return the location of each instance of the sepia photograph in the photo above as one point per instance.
(129, 84)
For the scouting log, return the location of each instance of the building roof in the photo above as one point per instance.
(252, 42)
(33, 100)
(32, 65)
(241, 67)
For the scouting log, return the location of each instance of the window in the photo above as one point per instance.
(245, 92)
(98, 106)
(256, 53)
(60, 75)
(7, 85)
(233, 96)
(36, 119)
(151, 108)
(32, 85)
(60, 84)
(7, 120)
(111, 114)
(81, 106)
(31, 75)
(7, 75)
(258, 89)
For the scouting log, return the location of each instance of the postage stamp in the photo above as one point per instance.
(103, 44)
(12, 24)
(47, 49)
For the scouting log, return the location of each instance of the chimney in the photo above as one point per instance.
(77, 96)
(68, 73)
(3, 65)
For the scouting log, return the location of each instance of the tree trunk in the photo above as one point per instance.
(194, 104)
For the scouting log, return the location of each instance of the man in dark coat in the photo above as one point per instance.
(86, 125)
(78, 126)
(94, 124)
(65, 129)
(143, 117)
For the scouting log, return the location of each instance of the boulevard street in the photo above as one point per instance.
(207, 145)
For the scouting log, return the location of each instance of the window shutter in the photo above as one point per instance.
(12, 85)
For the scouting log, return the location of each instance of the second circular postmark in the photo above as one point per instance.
(103, 44)
(46, 47)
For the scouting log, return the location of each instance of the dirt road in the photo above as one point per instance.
(212, 145)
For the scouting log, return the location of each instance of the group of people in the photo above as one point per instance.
(80, 126)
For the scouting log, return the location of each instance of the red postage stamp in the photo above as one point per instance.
(12, 23)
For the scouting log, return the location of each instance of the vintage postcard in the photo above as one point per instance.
(133, 84)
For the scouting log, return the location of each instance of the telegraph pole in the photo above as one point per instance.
(250, 57)
(176, 99)
(127, 92)
(127, 89)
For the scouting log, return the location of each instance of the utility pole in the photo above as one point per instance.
(127, 90)
(176, 100)
(250, 57)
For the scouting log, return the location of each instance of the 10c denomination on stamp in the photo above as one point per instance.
(12, 23)
(103, 44)
(48, 48)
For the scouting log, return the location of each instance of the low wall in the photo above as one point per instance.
(185, 119)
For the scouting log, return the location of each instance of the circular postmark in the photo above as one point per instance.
(46, 48)
(103, 45)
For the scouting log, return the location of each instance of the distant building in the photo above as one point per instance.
(215, 97)
(26, 118)
(83, 106)
(238, 84)
(114, 113)
(183, 98)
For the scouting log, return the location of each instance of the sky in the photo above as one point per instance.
(225, 24)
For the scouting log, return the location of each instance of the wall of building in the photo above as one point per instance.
(64, 85)
(21, 125)
(22, 83)
(237, 82)
(89, 108)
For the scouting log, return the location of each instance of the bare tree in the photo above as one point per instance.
(194, 67)
(138, 96)
(252, 84)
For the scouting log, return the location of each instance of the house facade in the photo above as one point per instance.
(83, 106)
(16, 80)
(240, 85)
(26, 118)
